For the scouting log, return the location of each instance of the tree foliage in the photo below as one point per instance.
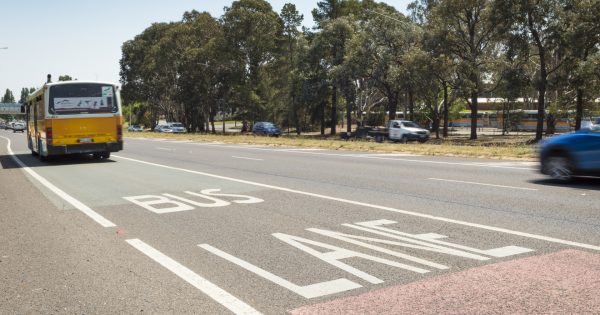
(364, 57)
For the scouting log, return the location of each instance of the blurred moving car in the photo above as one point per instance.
(163, 128)
(572, 154)
(135, 128)
(18, 127)
(266, 128)
(176, 127)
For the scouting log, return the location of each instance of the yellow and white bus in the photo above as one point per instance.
(73, 117)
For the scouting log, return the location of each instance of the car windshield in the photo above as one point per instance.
(410, 124)
(176, 125)
(268, 125)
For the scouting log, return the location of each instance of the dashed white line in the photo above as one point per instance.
(246, 158)
(66, 197)
(164, 149)
(480, 184)
(372, 206)
(389, 157)
(213, 291)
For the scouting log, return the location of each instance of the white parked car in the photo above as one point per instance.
(406, 130)
(18, 127)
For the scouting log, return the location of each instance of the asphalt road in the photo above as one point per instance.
(187, 227)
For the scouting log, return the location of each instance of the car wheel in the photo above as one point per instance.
(559, 168)
(404, 139)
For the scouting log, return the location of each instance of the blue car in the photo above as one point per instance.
(572, 154)
(266, 128)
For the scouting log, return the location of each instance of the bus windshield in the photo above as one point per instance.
(82, 98)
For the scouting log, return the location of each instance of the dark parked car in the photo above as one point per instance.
(572, 154)
(266, 128)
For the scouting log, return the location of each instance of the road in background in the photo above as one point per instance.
(187, 227)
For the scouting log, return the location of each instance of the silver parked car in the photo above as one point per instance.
(176, 127)
(18, 127)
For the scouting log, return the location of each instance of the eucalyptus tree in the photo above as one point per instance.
(541, 24)
(378, 53)
(331, 42)
(203, 73)
(468, 35)
(291, 21)
(8, 97)
(582, 24)
(253, 32)
(143, 73)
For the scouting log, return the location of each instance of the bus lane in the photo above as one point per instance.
(275, 248)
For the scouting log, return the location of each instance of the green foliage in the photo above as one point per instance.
(65, 77)
(362, 57)
(8, 97)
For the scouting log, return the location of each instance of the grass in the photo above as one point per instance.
(497, 147)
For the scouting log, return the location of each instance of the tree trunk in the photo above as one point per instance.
(349, 116)
(323, 119)
(579, 109)
(392, 105)
(334, 109)
(445, 110)
(411, 105)
(474, 96)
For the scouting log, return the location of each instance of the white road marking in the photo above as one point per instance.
(59, 192)
(246, 158)
(308, 291)
(390, 157)
(368, 205)
(214, 292)
(480, 184)
(164, 149)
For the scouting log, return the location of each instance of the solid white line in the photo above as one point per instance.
(246, 158)
(66, 197)
(368, 205)
(214, 292)
(164, 149)
(481, 184)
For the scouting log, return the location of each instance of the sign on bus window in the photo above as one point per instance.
(82, 98)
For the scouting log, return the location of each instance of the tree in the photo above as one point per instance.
(581, 24)
(65, 77)
(253, 32)
(8, 97)
(379, 53)
(291, 21)
(540, 24)
(469, 37)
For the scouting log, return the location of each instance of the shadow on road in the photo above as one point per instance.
(589, 183)
(29, 160)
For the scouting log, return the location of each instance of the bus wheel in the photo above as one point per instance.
(106, 155)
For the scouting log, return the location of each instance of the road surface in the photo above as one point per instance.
(210, 228)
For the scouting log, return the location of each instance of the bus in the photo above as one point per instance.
(74, 117)
(515, 120)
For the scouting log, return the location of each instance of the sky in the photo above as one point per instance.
(83, 38)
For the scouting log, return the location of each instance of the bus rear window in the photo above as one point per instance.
(82, 98)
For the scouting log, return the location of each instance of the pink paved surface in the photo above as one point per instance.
(566, 282)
